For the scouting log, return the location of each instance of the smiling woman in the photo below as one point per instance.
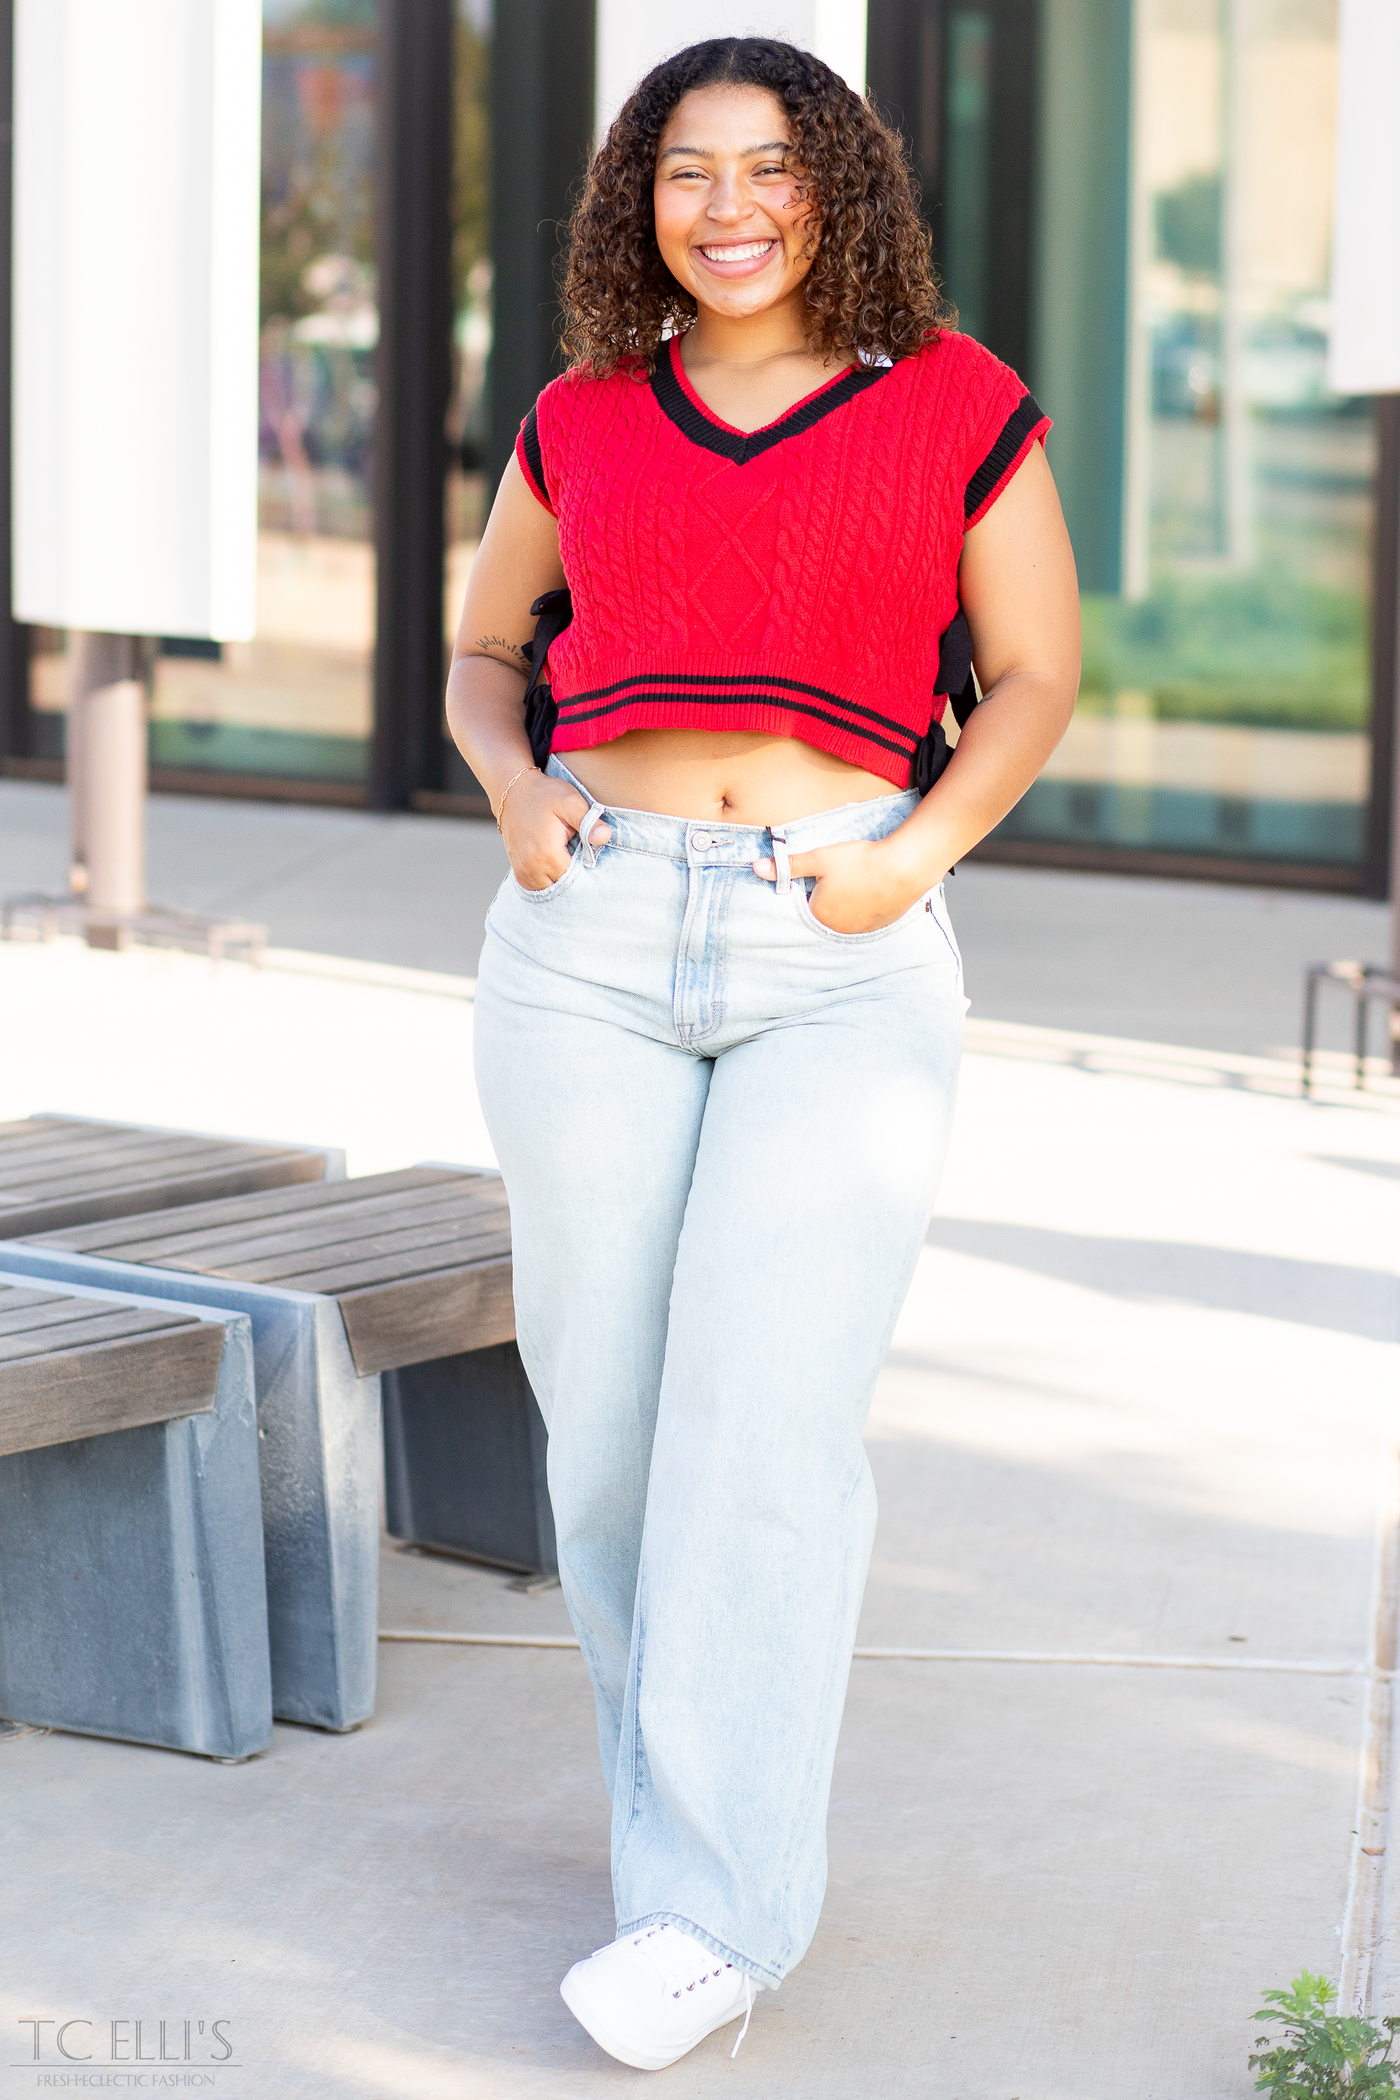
(867, 288)
(768, 522)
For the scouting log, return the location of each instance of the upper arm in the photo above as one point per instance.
(1017, 583)
(517, 562)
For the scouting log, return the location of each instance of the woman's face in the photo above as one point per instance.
(730, 224)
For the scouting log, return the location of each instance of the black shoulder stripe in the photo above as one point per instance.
(1014, 432)
(739, 446)
(530, 437)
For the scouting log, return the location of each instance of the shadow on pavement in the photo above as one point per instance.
(1346, 1300)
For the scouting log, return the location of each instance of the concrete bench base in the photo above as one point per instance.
(132, 1589)
(319, 1450)
(464, 1460)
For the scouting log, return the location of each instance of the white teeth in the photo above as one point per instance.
(742, 252)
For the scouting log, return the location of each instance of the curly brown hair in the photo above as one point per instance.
(871, 288)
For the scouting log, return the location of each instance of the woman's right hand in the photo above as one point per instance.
(541, 815)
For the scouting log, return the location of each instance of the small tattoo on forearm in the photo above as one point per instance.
(492, 644)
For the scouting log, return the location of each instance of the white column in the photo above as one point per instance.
(136, 314)
(1137, 372)
(635, 35)
(136, 189)
(1236, 424)
(1365, 351)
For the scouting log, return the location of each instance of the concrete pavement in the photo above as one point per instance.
(1135, 1447)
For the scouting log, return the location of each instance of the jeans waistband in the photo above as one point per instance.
(713, 840)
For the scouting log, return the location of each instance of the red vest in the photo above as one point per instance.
(795, 579)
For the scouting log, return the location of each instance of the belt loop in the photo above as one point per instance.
(595, 811)
(781, 863)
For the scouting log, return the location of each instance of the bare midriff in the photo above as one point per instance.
(742, 776)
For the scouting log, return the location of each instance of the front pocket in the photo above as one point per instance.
(551, 889)
(829, 933)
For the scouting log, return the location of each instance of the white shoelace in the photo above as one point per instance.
(673, 1955)
(748, 2015)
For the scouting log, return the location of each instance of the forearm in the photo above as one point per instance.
(486, 718)
(999, 753)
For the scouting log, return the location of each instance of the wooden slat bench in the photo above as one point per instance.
(73, 1367)
(132, 1591)
(65, 1170)
(415, 1260)
(404, 1274)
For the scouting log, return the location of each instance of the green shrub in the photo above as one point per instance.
(1322, 2056)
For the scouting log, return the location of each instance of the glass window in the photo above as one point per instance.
(296, 700)
(1226, 674)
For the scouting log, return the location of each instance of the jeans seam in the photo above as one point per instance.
(951, 944)
(718, 916)
(802, 1822)
(722, 947)
(685, 1033)
(636, 1690)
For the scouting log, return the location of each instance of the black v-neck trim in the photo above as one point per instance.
(738, 445)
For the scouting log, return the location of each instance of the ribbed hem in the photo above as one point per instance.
(766, 719)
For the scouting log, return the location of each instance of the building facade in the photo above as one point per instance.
(1130, 201)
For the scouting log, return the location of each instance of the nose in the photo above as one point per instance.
(728, 201)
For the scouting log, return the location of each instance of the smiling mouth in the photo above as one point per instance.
(736, 251)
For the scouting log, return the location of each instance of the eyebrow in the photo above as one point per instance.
(707, 152)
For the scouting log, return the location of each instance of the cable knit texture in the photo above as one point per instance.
(795, 580)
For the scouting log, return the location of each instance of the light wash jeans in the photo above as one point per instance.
(721, 1128)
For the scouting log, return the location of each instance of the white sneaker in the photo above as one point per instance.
(651, 1997)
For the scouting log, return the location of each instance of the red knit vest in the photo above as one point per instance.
(795, 579)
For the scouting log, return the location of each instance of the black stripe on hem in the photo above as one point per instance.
(530, 438)
(742, 446)
(791, 707)
(749, 685)
(1014, 432)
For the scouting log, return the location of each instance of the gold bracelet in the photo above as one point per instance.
(509, 785)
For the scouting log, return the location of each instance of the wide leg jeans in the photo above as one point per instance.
(721, 1127)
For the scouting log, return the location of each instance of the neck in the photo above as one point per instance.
(749, 339)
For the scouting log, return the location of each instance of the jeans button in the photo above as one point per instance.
(701, 841)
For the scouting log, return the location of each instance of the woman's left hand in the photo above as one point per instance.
(861, 885)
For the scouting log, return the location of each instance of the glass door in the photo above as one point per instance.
(1226, 684)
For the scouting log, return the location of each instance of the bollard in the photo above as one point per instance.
(107, 775)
